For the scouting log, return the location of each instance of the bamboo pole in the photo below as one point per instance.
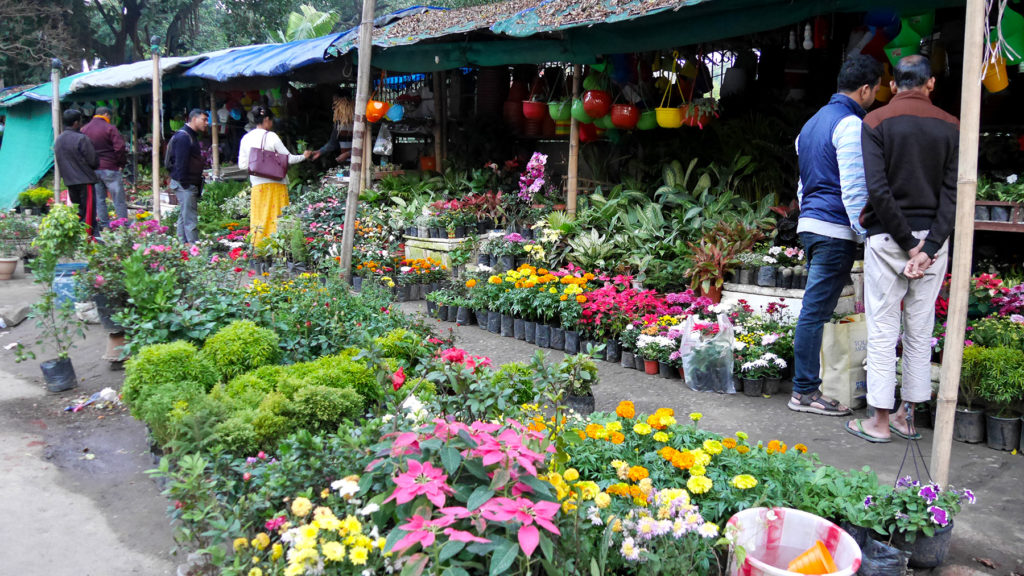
(574, 146)
(135, 147)
(215, 136)
(55, 118)
(963, 243)
(355, 180)
(441, 99)
(437, 119)
(157, 93)
(368, 157)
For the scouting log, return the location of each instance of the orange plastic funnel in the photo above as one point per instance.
(816, 560)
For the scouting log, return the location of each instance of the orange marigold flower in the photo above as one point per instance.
(542, 271)
(638, 473)
(800, 448)
(470, 283)
(684, 460)
(743, 449)
(625, 409)
(592, 430)
(729, 442)
(617, 438)
(563, 297)
(581, 434)
(581, 298)
(667, 452)
(775, 446)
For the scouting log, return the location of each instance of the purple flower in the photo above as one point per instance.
(1017, 318)
(969, 495)
(868, 501)
(907, 482)
(939, 516)
(930, 493)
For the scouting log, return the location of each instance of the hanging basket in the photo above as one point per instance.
(588, 133)
(648, 120)
(604, 122)
(577, 111)
(625, 116)
(669, 117)
(534, 110)
(375, 110)
(560, 111)
(907, 43)
(395, 113)
(995, 79)
(597, 103)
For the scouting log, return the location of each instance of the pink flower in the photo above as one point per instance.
(99, 281)
(454, 355)
(275, 523)
(398, 379)
(507, 449)
(463, 536)
(421, 531)
(421, 479)
(528, 514)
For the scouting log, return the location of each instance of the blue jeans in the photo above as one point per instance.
(188, 211)
(110, 181)
(829, 261)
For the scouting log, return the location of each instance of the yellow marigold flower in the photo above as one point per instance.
(301, 506)
(553, 290)
(701, 457)
(712, 446)
(660, 437)
(601, 434)
(276, 551)
(333, 551)
(743, 481)
(555, 479)
(470, 283)
(618, 464)
(743, 449)
(637, 473)
(696, 416)
(617, 526)
(261, 541)
(625, 409)
(240, 544)
(494, 280)
(800, 448)
(358, 555)
(255, 572)
(742, 435)
(571, 475)
(588, 490)
(729, 443)
(568, 506)
(602, 500)
(699, 484)
(666, 421)
(614, 426)
(698, 470)
(642, 429)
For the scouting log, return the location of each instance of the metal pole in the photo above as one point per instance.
(574, 146)
(55, 117)
(135, 147)
(963, 243)
(157, 93)
(355, 179)
(215, 135)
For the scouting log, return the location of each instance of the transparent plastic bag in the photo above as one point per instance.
(383, 145)
(708, 363)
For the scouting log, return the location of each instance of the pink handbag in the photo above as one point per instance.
(267, 163)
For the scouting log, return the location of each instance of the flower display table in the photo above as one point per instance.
(436, 248)
(760, 296)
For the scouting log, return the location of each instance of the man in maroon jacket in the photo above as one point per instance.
(111, 151)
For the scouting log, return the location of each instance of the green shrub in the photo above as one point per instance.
(321, 409)
(241, 346)
(519, 377)
(997, 332)
(237, 435)
(340, 371)
(274, 403)
(249, 382)
(425, 389)
(192, 423)
(270, 428)
(35, 197)
(1002, 380)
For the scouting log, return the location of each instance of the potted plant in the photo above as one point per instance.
(628, 339)
(61, 235)
(968, 421)
(655, 350)
(708, 262)
(16, 232)
(916, 518)
(761, 374)
(580, 374)
(1002, 385)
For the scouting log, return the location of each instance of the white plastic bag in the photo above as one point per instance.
(708, 363)
(383, 145)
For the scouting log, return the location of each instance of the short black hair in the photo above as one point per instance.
(912, 72)
(261, 113)
(194, 113)
(71, 116)
(857, 71)
(103, 111)
(343, 93)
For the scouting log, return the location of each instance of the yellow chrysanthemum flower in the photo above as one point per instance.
(333, 551)
(742, 435)
(660, 437)
(571, 475)
(698, 470)
(255, 572)
(602, 500)
(614, 426)
(301, 506)
(699, 484)
(240, 544)
(696, 416)
(358, 555)
(261, 541)
(712, 446)
(743, 481)
(276, 552)
(701, 457)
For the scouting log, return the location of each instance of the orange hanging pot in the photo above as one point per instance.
(596, 103)
(625, 116)
(375, 110)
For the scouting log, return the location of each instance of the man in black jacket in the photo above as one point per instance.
(911, 149)
(77, 162)
(185, 163)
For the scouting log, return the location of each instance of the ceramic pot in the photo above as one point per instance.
(1002, 433)
(7, 267)
(626, 359)
(542, 336)
(651, 367)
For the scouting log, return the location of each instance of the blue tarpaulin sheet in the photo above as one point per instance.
(264, 60)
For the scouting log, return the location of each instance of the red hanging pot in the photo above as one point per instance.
(588, 132)
(596, 103)
(625, 116)
(535, 110)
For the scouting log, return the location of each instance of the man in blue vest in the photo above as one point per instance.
(832, 194)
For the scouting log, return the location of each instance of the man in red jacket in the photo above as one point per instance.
(112, 154)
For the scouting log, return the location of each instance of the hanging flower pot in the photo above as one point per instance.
(596, 103)
(375, 110)
(395, 113)
(907, 43)
(995, 79)
(579, 113)
(588, 133)
(671, 117)
(604, 122)
(625, 116)
(648, 120)
(513, 115)
(534, 110)
(548, 127)
(560, 111)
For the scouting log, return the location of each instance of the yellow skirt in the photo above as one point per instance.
(267, 202)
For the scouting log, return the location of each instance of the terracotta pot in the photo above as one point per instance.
(651, 367)
(714, 293)
(596, 103)
(7, 267)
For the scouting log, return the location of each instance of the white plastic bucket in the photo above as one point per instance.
(772, 537)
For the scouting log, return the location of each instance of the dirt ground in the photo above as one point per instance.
(78, 502)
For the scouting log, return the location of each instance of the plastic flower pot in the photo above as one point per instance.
(667, 371)
(604, 122)
(577, 111)
(906, 43)
(581, 404)
(648, 120)
(59, 375)
(612, 351)
(670, 117)
(596, 103)
(494, 322)
(651, 367)
(588, 132)
(519, 329)
(530, 329)
(462, 316)
(766, 276)
(481, 318)
(774, 537)
(560, 111)
(1002, 433)
(542, 335)
(925, 551)
(507, 323)
(375, 110)
(638, 362)
(395, 113)
(969, 425)
(557, 338)
(534, 110)
(453, 313)
(442, 313)
(625, 116)
(572, 342)
(753, 386)
(402, 294)
(814, 560)
(626, 359)
(506, 263)
(771, 386)
(995, 79)
(431, 309)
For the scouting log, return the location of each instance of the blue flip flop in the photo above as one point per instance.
(860, 433)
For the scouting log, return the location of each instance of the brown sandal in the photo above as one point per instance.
(804, 403)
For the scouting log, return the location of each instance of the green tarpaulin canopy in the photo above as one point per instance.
(27, 150)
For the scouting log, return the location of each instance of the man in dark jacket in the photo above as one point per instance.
(832, 194)
(77, 162)
(185, 163)
(911, 149)
(112, 153)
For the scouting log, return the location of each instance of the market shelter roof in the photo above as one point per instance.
(43, 92)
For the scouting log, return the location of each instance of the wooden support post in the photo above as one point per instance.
(442, 100)
(215, 136)
(135, 147)
(963, 243)
(157, 97)
(368, 157)
(56, 119)
(355, 180)
(436, 75)
(574, 146)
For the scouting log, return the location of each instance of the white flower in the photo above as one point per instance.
(780, 362)
(769, 339)
(775, 250)
(1011, 179)
(708, 530)
(405, 269)
(368, 509)
(345, 487)
(769, 260)
(738, 345)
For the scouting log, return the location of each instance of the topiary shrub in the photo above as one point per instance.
(249, 383)
(271, 428)
(240, 347)
(192, 422)
(321, 409)
(340, 371)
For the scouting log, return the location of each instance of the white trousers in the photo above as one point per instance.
(885, 289)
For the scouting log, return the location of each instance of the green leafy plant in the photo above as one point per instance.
(240, 347)
(579, 373)
(35, 198)
(1002, 379)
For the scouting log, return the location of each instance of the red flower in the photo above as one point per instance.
(398, 379)
(235, 253)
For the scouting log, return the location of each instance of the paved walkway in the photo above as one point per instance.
(993, 528)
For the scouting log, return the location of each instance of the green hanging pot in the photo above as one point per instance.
(592, 82)
(648, 120)
(560, 111)
(604, 122)
(579, 113)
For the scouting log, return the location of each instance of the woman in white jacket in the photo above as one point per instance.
(269, 197)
